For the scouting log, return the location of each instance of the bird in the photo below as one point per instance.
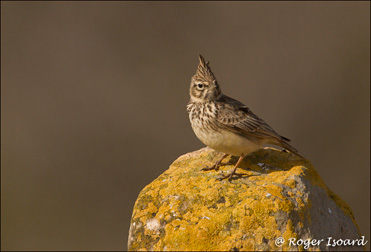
(225, 124)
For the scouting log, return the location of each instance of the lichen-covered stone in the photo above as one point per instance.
(277, 195)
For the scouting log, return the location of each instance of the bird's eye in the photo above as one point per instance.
(200, 86)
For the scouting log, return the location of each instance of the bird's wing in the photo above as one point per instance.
(238, 118)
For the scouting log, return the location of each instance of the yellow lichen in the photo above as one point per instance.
(198, 212)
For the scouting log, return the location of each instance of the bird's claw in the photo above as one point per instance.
(214, 167)
(228, 176)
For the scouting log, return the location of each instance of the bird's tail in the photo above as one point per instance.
(288, 147)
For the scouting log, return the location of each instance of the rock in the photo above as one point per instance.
(278, 195)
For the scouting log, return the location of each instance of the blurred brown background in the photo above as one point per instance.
(94, 94)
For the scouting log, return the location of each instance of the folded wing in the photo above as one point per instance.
(238, 118)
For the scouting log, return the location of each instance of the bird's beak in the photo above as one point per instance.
(213, 85)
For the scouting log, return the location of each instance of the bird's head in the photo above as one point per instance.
(204, 86)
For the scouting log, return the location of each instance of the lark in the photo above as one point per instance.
(225, 124)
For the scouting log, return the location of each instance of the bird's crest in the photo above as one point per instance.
(204, 72)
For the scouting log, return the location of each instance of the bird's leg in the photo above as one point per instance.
(216, 165)
(229, 176)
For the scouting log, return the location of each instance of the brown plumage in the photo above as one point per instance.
(203, 71)
(225, 124)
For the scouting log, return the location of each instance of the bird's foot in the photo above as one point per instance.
(216, 165)
(226, 176)
(229, 176)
